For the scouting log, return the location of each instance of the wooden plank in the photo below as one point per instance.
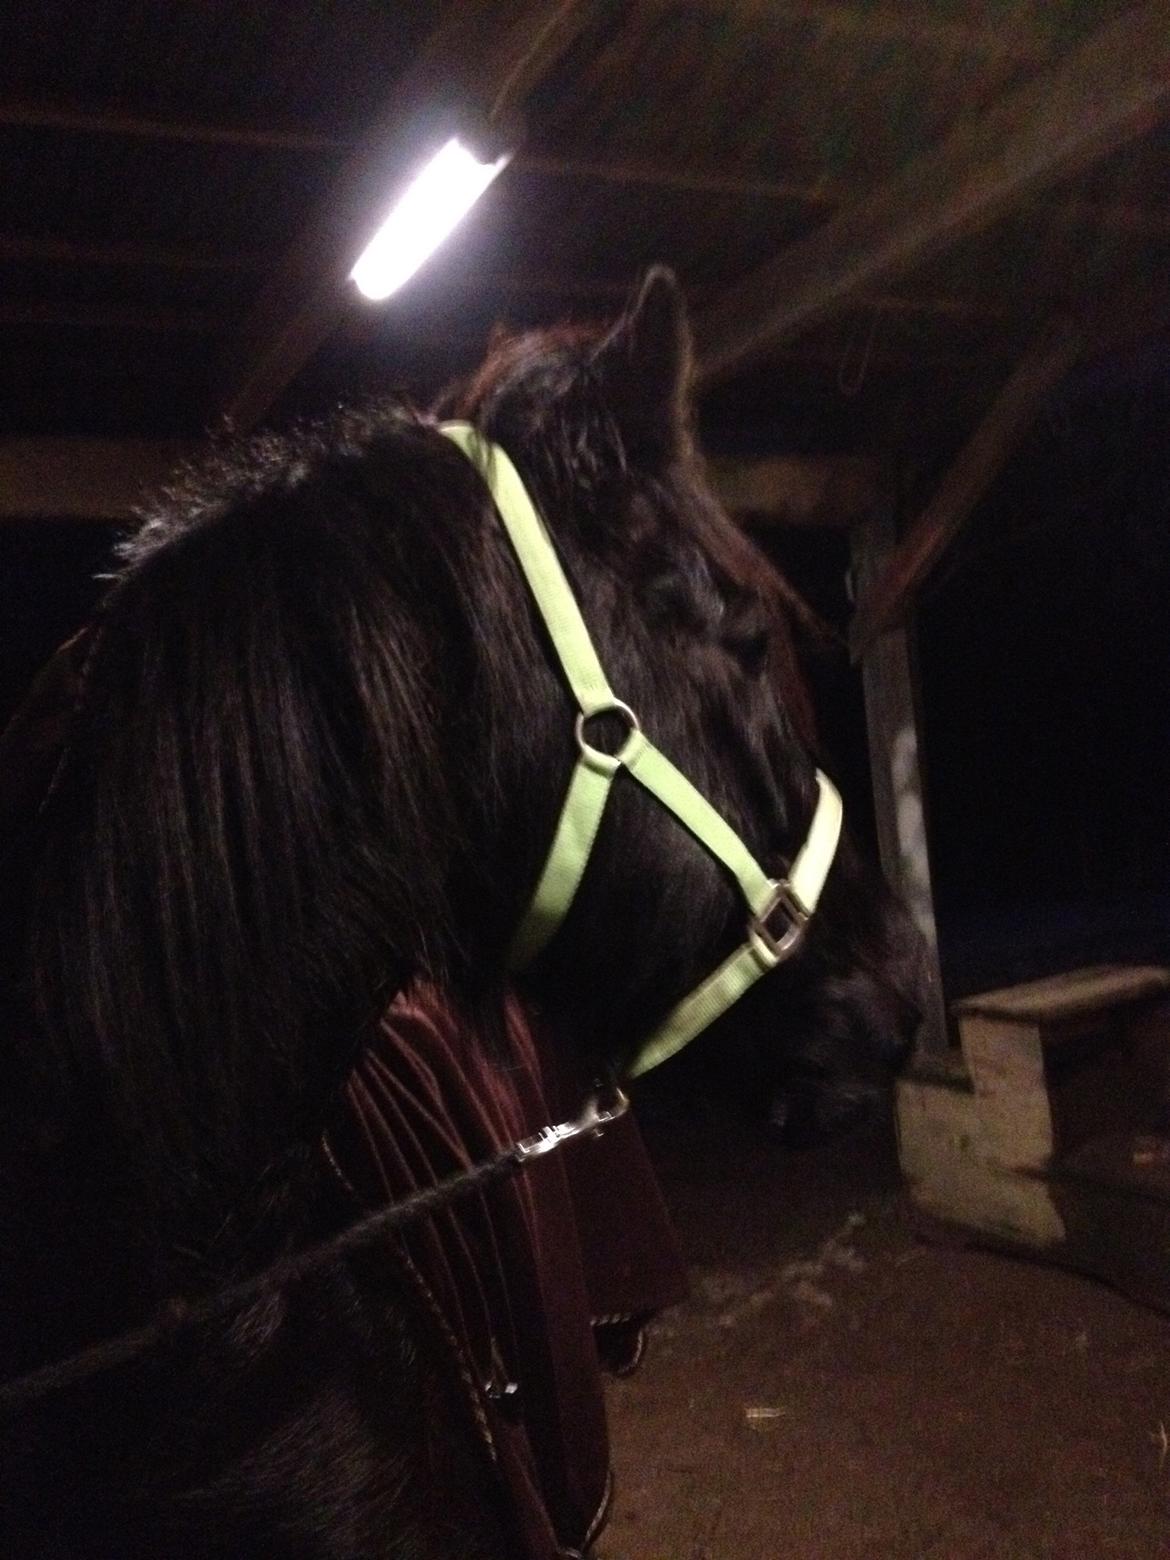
(1117, 1231)
(487, 54)
(846, 24)
(691, 181)
(1058, 998)
(1109, 90)
(833, 491)
(83, 479)
(64, 251)
(1006, 1064)
(968, 479)
(1072, 1162)
(98, 120)
(104, 478)
(112, 317)
(891, 718)
(952, 1175)
(1102, 215)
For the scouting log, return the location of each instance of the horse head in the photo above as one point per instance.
(696, 632)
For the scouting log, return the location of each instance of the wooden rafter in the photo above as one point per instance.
(92, 119)
(824, 490)
(487, 54)
(1131, 311)
(112, 317)
(105, 479)
(845, 23)
(1108, 90)
(691, 181)
(64, 251)
(82, 479)
(971, 474)
(96, 120)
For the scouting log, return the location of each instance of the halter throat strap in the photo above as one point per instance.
(778, 910)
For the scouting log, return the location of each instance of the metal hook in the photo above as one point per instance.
(592, 1121)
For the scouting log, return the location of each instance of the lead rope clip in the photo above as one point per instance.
(594, 1118)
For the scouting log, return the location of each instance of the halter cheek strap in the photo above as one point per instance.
(778, 911)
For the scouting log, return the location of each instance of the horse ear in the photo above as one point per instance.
(644, 368)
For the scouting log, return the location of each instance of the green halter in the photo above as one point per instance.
(793, 899)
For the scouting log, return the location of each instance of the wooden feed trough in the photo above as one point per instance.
(1048, 1130)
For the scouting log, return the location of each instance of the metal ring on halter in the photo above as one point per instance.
(785, 899)
(614, 707)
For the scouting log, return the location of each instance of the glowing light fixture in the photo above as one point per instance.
(438, 198)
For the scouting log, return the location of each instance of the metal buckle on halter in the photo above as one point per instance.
(785, 901)
(599, 755)
(592, 1121)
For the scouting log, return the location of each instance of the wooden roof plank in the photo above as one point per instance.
(94, 119)
(849, 23)
(21, 248)
(1110, 89)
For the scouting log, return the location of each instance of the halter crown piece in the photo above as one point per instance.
(778, 910)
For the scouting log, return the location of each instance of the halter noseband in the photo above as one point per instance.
(778, 910)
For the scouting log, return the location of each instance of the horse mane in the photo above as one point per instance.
(250, 845)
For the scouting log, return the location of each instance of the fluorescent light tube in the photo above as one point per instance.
(427, 211)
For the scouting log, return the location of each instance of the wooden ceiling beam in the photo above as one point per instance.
(112, 317)
(695, 181)
(107, 479)
(878, 24)
(485, 55)
(1109, 89)
(18, 248)
(1106, 215)
(94, 119)
(831, 491)
(83, 479)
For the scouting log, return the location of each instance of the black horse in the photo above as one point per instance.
(321, 750)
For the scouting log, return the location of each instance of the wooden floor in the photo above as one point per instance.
(837, 1390)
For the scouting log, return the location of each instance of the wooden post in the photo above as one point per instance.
(891, 718)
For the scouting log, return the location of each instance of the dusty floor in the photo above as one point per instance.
(838, 1390)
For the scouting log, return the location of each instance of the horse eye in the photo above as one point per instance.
(751, 652)
(744, 633)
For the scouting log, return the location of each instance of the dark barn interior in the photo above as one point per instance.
(925, 246)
